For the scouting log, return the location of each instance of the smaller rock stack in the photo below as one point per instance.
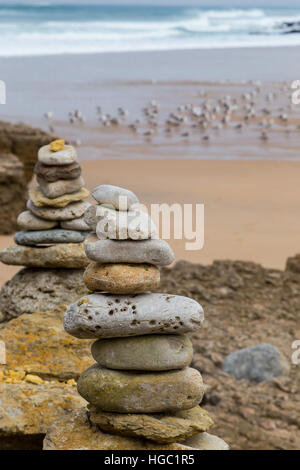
(142, 394)
(53, 226)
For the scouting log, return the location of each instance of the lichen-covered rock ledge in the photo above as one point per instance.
(37, 383)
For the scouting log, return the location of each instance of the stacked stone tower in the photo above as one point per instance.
(142, 394)
(53, 231)
(55, 210)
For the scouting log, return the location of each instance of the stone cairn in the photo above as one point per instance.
(142, 394)
(50, 245)
(53, 225)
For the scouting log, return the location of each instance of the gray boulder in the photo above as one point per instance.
(256, 363)
(40, 290)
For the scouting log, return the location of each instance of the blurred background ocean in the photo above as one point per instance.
(43, 29)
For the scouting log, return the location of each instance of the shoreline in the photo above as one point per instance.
(234, 64)
(154, 51)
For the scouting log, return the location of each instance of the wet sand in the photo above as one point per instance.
(251, 208)
(60, 84)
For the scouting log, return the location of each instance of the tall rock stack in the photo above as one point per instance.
(56, 206)
(142, 394)
(53, 227)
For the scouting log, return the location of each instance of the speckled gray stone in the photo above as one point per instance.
(47, 237)
(119, 198)
(111, 316)
(71, 211)
(152, 251)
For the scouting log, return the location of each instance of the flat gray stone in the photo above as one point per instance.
(119, 198)
(111, 316)
(158, 427)
(55, 173)
(152, 251)
(124, 225)
(62, 255)
(74, 210)
(133, 392)
(149, 353)
(256, 363)
(28, 221)
(60, 187)
(46, 237)
(75, 224)
(65, 156)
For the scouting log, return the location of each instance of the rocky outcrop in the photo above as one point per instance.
(40, 290)
(18, 153)
(24, 142)
(37, 344)
(245, 305)
(12, 191)
(26, 411)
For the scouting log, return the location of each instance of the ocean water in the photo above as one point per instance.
(45, 29)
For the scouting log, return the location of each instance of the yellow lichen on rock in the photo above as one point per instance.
(57, 145)
(34, 379)
(83, 301)
(38, 345)
(71, 382)
(11, 376)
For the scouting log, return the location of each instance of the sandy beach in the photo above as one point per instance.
(251, 208)
(249, 186)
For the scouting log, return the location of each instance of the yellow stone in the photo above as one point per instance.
(34, 379)
(71, 382)
(57, 145)
(121, 278)
(39, 200)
